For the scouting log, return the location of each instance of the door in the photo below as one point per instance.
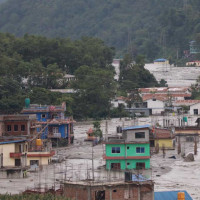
(115, 166)
(17, 162)
(140, 165)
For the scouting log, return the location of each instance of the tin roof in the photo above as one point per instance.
(13, 141)
(136, 127)
(170, 195)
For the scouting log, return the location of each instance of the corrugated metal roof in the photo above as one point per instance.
(136, 127)
(13, 141)
(170, 195)
(160, 60)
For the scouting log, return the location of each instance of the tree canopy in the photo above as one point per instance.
(153, 28)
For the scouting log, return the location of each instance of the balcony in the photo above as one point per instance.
(33, 154)
(15, 155)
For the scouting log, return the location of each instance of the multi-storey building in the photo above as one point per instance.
(131, 151)
(53, 121)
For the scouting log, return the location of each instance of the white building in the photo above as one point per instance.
(157, 105)
(117, 101)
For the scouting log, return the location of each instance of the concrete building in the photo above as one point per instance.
(156, 105)
(193, 105)
(195, 63)
(119, 100)
(163, 138)
(53, 118)
(187, 134)
(132, 190)
(18, 125)
(131, 151)
(161, 61)
(16, 157)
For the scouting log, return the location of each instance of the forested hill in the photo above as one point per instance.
(150, 27)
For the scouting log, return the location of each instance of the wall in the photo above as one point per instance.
(6, 149)
(155, 104)
(195, 106)
(167, 143)
(120, 191)
(129, 135)
(19, 124)
(124, 163)
(125, 152)
(42, 160)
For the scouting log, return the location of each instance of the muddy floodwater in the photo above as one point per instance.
(76, 164)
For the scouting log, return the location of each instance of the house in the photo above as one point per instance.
(193, 106)
(172, 93)
(155, 104)
(163, 138)
(16, 156)
(18, 125)
(115, 190)
(131, 151)
(187, 134)
(119, 100)
(195, 63)
(52, 119)
(161, 61)
(172, 195)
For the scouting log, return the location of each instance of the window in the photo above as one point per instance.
(9, 128)
(100, 195)
(34, 162)
(140, 135)
(43, 115)
(128, 163)
(22, 127)
(140, 165)
(195, 111)
(115, 149)
(127, 147)
(139, 149)
(15, 127)
(115, 166)
(55, 130)
(17, 162)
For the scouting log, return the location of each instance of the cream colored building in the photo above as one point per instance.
(16, 154)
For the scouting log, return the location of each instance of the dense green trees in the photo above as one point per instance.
(133, 75)
(150, 27)
(31, 65)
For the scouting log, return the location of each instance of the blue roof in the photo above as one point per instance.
(170, 195)
(160, 60)
(13, 141)
(139, 178)
(136, 127)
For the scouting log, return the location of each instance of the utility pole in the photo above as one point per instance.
(92, 164)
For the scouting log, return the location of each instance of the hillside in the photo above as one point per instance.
(150, 27)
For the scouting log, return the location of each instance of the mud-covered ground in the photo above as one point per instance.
(168, 174)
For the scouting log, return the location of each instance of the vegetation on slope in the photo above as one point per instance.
(150, 27)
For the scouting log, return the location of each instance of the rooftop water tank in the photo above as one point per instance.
(181, 196)
(27, 102)
(38, 142)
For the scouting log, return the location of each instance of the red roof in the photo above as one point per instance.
(187, 102)
(162, 133)
(163, 97)
(164, 89)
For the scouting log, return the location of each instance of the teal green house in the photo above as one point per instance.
(131, 151)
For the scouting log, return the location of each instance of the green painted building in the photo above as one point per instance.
(132, 151)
